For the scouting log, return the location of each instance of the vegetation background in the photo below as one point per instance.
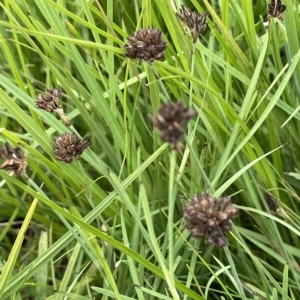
(109, 225)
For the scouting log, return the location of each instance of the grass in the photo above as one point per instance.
(110, 225)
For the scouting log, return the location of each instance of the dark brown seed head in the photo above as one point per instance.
(272, 203)
(276, 9)
(210, 217)
(171, 120)
(15, 161)
(146, 44)
(53, 93)
(194, 21)
(50, 101)
(68, 146)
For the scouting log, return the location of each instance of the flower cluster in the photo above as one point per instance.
(146, 44)
(193, 20)
(171, 120)
(68, 146)
(210, 217)
(276, 9)
(50, 102)
(272, 203)
(15, 161)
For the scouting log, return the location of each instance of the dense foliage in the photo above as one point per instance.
(102, 217)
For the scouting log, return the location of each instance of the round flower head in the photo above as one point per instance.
(68, 146)
(50, 101)
(146, 44)
(194, 21)
(171, 120)
(276, 9)
(210, 217)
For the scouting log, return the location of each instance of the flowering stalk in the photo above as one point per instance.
(194, 21)
(147, 45)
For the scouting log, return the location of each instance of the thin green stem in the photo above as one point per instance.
(164, 90)
(202, 172)
(191, 86)
(234, 272)
(171, 202)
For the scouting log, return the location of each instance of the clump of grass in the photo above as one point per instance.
(112, 223)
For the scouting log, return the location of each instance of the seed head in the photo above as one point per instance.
(68, 146)
(15, 161)
(194, 21)
(171, 120)
(276, 9)
(272, 203)
(146, 44)
(210, 217)
(50, 100)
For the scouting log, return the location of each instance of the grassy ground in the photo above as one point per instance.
(110, 224)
